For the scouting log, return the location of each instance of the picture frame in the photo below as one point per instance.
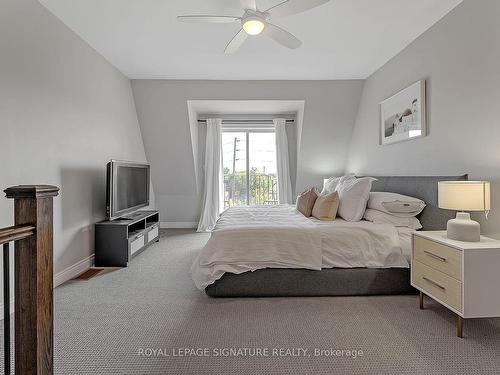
(403, 116)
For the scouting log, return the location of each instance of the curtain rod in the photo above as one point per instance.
(240, 121)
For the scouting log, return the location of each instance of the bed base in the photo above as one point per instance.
(272, 282)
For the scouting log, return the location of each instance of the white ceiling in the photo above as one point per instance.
(343, 39)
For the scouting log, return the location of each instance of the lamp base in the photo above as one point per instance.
(462, 228)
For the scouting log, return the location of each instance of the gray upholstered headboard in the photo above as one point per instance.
(422, 187)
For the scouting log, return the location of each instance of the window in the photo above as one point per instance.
(249, 162)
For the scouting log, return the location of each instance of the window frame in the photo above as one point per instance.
(247, 130)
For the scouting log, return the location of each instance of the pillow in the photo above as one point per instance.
(354, 194)
(380, 217)
(326, 206)
(396, 204)
(404, 207)
(305, 202)
(330, 185)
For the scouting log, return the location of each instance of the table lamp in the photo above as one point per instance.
(464, 196)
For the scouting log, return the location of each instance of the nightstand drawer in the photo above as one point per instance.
(440, 257)
(437, 284)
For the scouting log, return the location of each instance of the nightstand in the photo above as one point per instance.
(462, 276)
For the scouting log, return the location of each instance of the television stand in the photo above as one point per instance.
(119, 240)
(131, 216)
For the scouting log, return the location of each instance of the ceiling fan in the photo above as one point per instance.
(255, 21)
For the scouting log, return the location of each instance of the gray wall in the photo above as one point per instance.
(64, 112)
(459, 57)
(330, 110)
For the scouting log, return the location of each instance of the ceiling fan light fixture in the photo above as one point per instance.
(253, 25)
(255, 21)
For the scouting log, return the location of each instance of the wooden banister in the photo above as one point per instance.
(17, 232)
(33, 236)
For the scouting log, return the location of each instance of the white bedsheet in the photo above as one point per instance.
(255, 237)
(405, 238)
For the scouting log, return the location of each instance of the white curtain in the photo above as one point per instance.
(213, 190)
(283, 162)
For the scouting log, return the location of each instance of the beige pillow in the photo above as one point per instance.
(326, 206)
(305, 202)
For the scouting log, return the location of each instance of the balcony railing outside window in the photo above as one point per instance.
(263, 189)
(249, 164)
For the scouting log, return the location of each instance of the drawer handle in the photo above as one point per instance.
(434, 283)
(432, 255)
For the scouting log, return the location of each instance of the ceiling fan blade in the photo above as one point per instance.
(249, 4)
(289, 7)
(208, 19)
(236, 42)
(281, 36)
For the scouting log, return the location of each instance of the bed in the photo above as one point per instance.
(387, 274)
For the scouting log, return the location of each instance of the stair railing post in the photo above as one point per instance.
(33, 267)
(6, 309)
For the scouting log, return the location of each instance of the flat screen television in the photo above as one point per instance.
(127, 187)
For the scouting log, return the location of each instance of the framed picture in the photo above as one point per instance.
(403, 116)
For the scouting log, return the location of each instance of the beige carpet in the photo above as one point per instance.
(112, 322)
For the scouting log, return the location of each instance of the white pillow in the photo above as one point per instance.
(379, 217)
(330, 185)
(396, 204)
(354, 194)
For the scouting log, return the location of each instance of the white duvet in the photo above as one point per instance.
(254, 237)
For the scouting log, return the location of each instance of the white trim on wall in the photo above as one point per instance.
(73, 271)
(61, 277)
(178, 224)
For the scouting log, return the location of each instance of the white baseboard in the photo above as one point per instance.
(178, 224)
(73, 271)
(61, 277)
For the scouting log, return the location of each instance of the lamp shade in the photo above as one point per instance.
(464, 195)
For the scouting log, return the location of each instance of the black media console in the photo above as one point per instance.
(117, 241)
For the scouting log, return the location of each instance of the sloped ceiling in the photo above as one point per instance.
(343, 39)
